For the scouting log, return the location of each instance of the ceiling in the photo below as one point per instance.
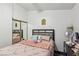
(47, 6)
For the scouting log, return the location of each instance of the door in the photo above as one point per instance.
(24, 27)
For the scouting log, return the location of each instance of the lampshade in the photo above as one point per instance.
(66, 33)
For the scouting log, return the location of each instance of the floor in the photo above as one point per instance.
(57, 53)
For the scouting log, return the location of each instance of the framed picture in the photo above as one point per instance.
(43, 22)
(16, 25)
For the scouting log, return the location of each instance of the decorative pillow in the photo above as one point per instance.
(47, 38)
(39, 38)
(39, 41)
(34, 38)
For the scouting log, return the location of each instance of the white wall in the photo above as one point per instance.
(56, 19)
(7, 11)
(19, 12)
(5, 24)
(76, 17)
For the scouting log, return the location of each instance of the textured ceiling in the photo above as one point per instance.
(47, 6)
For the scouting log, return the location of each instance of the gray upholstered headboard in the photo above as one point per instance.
(48, 32)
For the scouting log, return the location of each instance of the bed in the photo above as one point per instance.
(30, 48)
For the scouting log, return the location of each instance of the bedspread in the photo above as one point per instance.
(23, 50)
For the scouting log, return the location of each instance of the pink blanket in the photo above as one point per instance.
(44, 45)
(23, 50)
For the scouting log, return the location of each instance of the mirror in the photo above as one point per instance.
(19, 30)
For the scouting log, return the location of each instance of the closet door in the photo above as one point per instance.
(24, 27)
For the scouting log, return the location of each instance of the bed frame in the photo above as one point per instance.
(48, 32)
(18, 32)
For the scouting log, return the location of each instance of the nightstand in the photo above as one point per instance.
(76, 49)
(68, 48)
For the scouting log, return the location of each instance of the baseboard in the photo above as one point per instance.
(59, 52)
